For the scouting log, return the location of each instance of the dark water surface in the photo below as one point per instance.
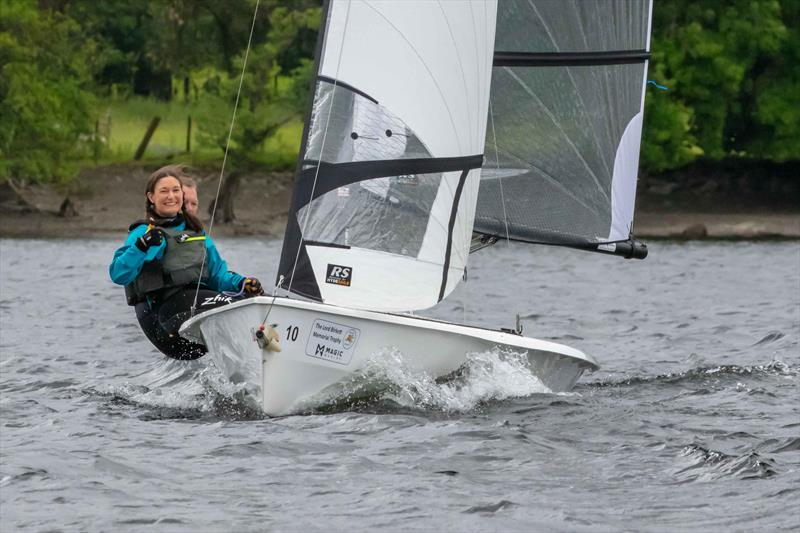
(692, 424)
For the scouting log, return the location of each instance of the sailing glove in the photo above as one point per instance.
(252, 287)
(154, 237)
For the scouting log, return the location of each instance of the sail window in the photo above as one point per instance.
(347, 125)
(387, 214)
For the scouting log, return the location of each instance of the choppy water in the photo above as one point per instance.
(692, 424)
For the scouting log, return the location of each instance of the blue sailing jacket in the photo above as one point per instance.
(128, 261)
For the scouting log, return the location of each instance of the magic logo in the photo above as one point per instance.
(326, 352)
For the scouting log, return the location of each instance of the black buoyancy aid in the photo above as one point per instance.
(180, 265)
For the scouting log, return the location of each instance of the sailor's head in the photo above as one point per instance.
(190, 201)
(164, 192)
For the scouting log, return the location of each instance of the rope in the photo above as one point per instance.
(656, 85)
(274, 296)
(233, 294)
(225, 157)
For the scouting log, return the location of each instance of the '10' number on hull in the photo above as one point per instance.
(291, 333)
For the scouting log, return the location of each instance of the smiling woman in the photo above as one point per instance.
(169, 266)
(167, 197)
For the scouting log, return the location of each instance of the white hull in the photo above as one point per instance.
(322, 345)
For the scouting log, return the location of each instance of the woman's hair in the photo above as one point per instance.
(178, 172)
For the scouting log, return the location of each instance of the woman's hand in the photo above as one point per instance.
(252, 287)
(154, 237)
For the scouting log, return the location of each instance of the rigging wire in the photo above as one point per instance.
(499, 178)
(225, 157)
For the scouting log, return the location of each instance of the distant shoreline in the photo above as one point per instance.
(110, 198)
(674, 226)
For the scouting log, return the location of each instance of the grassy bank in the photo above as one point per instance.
(122, 123)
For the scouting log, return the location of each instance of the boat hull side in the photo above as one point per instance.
(323, 345)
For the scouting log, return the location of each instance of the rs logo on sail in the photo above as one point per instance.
(339, 275)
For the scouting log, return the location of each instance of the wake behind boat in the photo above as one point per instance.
(389, 199)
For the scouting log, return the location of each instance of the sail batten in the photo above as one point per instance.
(564, 59)
(567, 102)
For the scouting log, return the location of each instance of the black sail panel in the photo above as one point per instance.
(565, 121)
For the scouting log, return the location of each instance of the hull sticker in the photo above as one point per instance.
(339, 275)
(332, 342)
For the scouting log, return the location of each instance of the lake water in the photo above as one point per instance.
(692, 424)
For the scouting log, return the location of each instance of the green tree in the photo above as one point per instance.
(722, 62)
(146, 44)
(667, 139)
(46, 66)
(773, 116)
(123, 28)
(270, 94)
(191, 34)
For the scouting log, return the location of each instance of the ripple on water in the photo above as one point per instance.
(775, 368)
(709, 465)
(491, 508)
(148, 521)
(419, 453)
(788, 445)
(25, 475)
(770, 337)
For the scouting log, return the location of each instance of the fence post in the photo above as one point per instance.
(189, 134)
(146, 139)
(96, 140)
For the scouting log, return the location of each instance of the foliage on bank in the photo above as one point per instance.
(732, 72)
(46, 69)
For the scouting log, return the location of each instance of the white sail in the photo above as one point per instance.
(385, 197)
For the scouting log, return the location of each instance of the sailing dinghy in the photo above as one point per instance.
(436, 129)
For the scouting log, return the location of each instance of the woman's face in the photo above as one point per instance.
(167, 197)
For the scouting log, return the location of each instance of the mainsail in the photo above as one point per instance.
(384, 199)
(562, 144)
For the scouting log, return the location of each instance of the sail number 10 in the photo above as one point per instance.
(291, 333)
